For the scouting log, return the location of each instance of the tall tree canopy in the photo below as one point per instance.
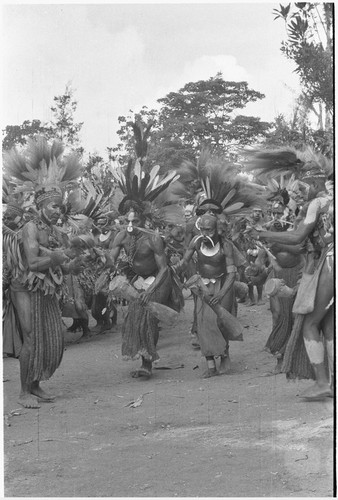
(16, 135)
(309, 31)
(63, 125)
(203, 113)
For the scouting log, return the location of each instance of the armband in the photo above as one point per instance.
(231, 269)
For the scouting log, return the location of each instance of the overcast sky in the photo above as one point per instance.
(119, 57)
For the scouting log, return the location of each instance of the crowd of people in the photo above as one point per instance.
(223, 232)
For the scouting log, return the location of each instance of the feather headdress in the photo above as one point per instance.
(87, 204)
(287, 161)
(89, 200)
(41, 169)
(12, 200)
(140, 188)
(141, 136)
(219, 186)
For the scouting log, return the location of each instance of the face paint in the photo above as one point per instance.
(134, 221)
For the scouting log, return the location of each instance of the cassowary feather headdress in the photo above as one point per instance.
(304, 165)
(221, 189)
(41, 169)
(140, 188)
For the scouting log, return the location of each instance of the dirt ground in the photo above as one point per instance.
(244, 434)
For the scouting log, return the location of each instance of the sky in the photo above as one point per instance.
(119, 57)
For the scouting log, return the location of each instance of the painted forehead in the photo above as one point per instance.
(133, 215)
(208, 220)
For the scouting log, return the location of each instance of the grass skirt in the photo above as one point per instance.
(296, 363)
(281, 331)
(12, 338)
(47, 336)
(140, 330)
(210, 337)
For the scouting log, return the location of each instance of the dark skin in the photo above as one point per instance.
(321, 318)
(286, 256)
(211, 267)
(37, 260)
(149, 260)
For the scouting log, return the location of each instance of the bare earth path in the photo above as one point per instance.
(241, 434)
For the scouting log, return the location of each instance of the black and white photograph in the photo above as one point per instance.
(168, 199)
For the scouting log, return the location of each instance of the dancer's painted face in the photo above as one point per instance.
(207, 227)
(134, 221)
(277, 212)
(51, 210)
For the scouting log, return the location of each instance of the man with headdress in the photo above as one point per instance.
(255, 273)
(149, 272)
(313, 305)
(37, 282)
(286, 265)
(12, 222)
(104, 231)
(146, 262)
(216, 267)
(88, 213)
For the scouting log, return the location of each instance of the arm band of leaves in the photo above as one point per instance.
(231, 269)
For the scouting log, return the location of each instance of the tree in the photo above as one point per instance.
(63, 125)
(203, 114)
(97, 170)
(309, 29)
(16, 135)
(200, 114)
(125, 148)
(297, 132)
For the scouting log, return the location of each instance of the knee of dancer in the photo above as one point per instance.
(27, 343)
(276, 315)
(311, 323)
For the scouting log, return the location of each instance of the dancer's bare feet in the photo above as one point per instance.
(141, 372)
(40, 393)
(144, 371)
(278, 368)
(316, 392)
(28, 401)
(210, 372)
(224, 366)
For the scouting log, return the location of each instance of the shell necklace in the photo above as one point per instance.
(209, 251)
